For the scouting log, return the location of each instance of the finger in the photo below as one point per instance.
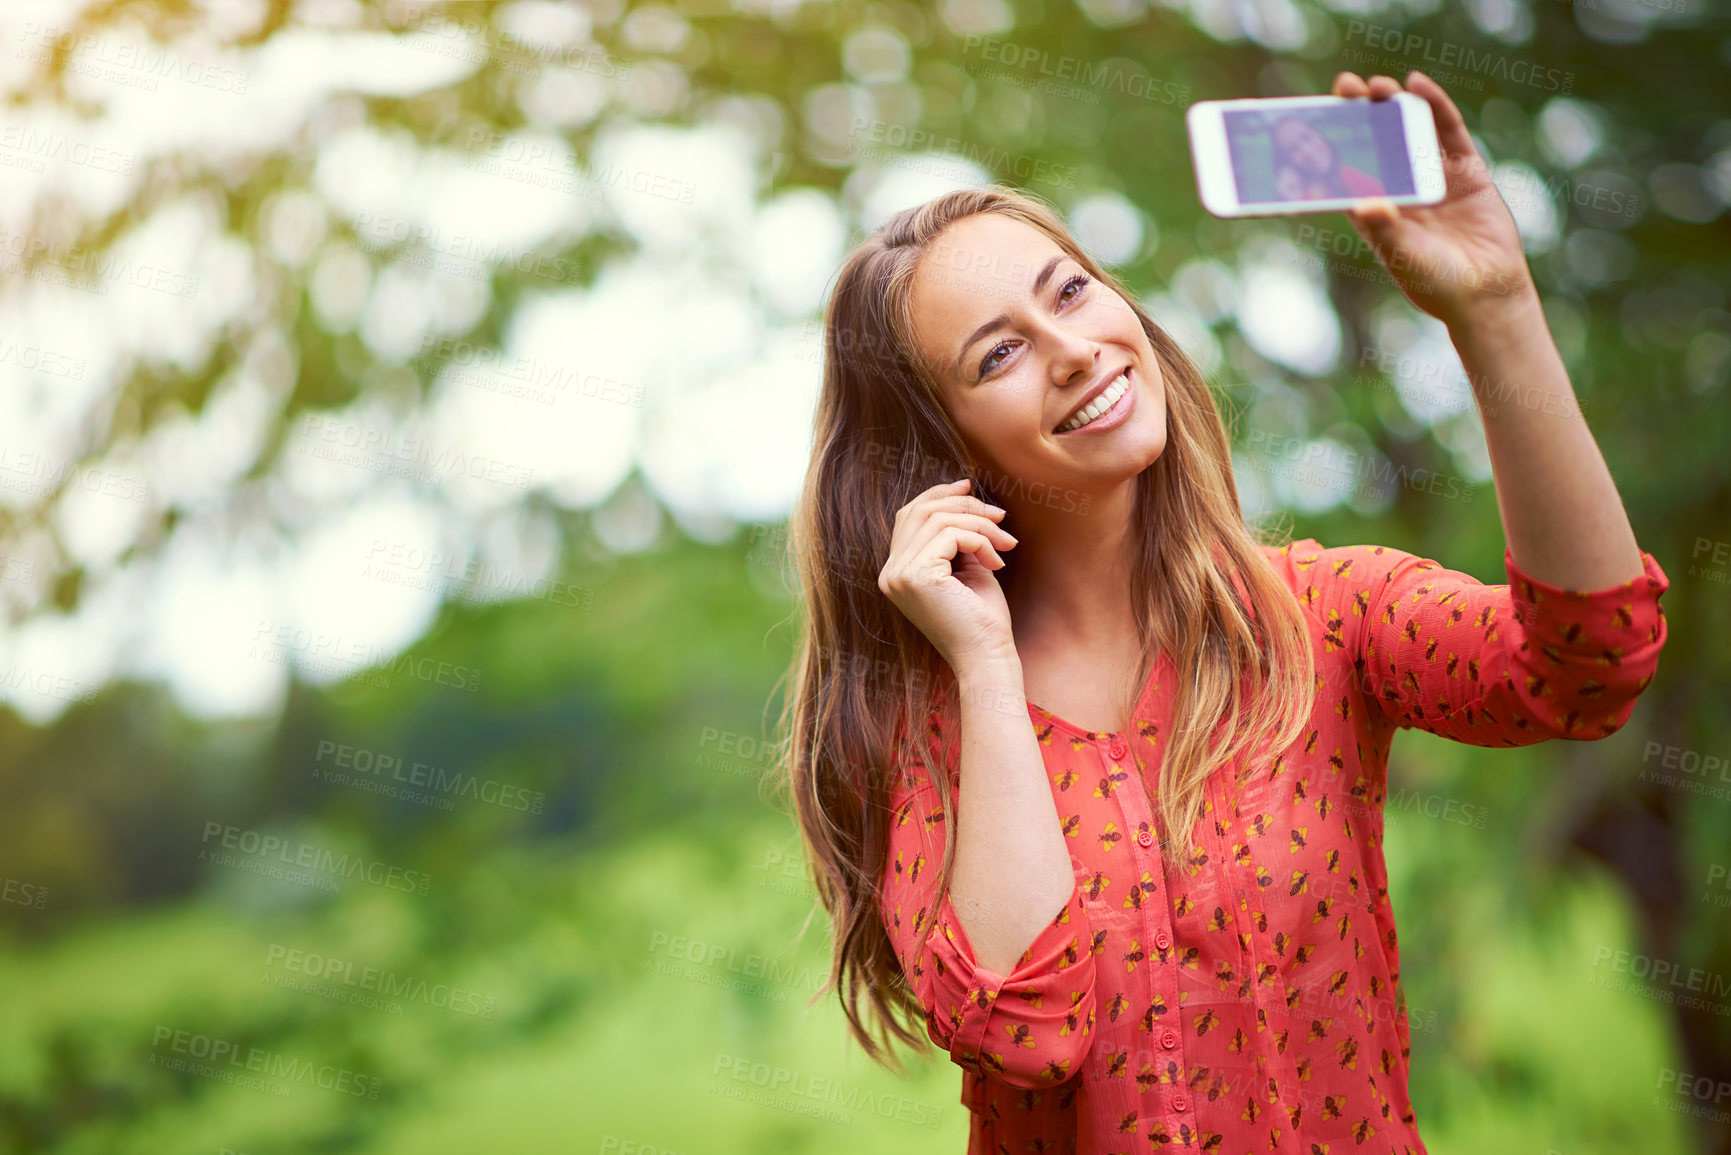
(1349, 85)
(923, 509)
(969, 521)
(956, 491)
(945, 488)
(969, 504)
(1383, 87)
(1451, 127)
(1379, 222)
(954, 540)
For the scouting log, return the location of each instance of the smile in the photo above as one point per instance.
(1105, 410)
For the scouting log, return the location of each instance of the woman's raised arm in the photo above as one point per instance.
(1461, 261)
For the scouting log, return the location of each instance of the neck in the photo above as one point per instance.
(1071, 569)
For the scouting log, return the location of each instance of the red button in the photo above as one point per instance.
(1169, 1040)
(1145, 838)
(1118, 749)
(1180, 1103)
(1162, 940)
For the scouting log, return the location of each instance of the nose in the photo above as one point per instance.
(1073, 354)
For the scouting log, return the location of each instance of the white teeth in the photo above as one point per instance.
(1100, 404)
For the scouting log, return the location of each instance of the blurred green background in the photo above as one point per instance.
(400, 404)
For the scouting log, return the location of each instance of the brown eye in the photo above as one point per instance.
(987, 365)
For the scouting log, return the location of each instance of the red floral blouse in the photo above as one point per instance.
(1247, 998)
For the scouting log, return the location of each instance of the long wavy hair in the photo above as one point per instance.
(862, 672)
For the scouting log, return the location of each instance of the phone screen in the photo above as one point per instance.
(1299, 154)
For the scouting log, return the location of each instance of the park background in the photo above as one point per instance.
(399, 408)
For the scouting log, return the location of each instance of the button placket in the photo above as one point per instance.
(1135, 806)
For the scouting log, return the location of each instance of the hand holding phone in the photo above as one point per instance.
(1449, 243)
(1312, 154)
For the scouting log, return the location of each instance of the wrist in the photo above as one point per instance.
(1499, 318)
(995, 671)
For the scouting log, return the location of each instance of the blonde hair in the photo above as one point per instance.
(862, 671)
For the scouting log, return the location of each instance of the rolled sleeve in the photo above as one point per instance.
(1510, 664)
(1584, 655)
(1029, 1028)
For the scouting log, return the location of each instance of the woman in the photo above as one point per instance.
(1289, 184)
(1314, 160)
(1126, 865)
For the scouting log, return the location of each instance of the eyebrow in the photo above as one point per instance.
(1003, 319)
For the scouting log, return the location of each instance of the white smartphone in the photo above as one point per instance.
(1313, 154)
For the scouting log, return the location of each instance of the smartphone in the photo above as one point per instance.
(1313, 154)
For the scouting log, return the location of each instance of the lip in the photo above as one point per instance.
(1114, 416)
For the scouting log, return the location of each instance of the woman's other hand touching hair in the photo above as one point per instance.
(940, 574)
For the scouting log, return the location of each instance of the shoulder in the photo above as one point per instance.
(1342, 582)
(1360, 182)
(1308, 563)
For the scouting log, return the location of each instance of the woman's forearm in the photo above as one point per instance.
(1562, 516)
(1012, 871)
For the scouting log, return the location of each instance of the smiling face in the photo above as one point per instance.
(1304, 145)
(1289, 184)
(1020, 337)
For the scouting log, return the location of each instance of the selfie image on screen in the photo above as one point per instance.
(1301, 154)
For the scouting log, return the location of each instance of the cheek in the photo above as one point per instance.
(1002, 416)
